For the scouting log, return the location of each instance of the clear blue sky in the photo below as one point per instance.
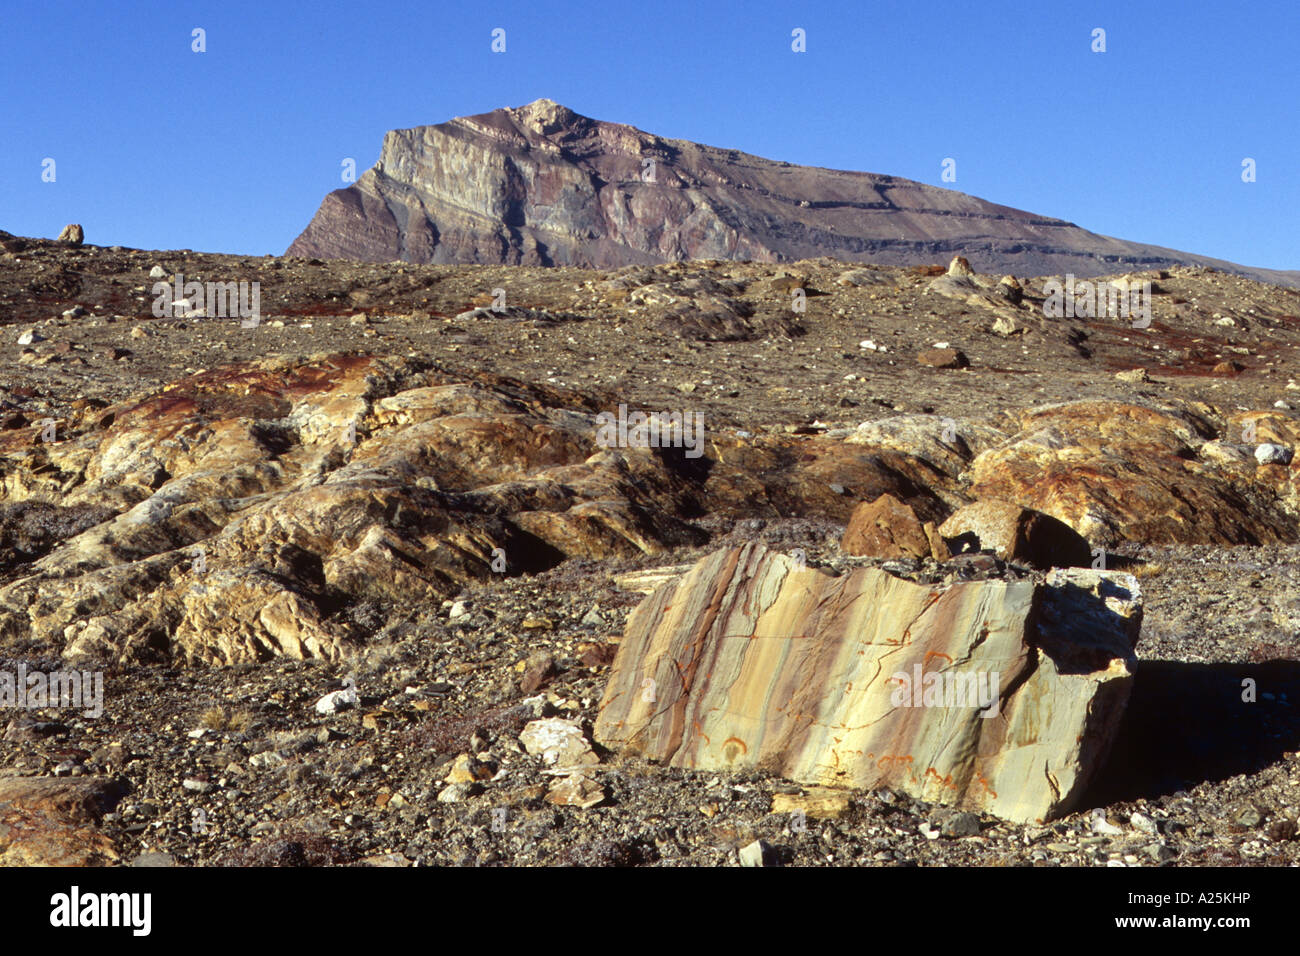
(232, 150)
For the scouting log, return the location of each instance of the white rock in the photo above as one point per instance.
(458, 610)
(1270, 454)
(757, 853)
(559, 742)
(1144, 823)
(30, 336)
(157, 272)
(1102, 826)
(335, 701)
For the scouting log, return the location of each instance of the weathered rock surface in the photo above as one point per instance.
(1115, 471)
(750, 661)
(257, 510)
(46, 821)
(73, 234)
(542, 185)
(251, 505)
(887, 528)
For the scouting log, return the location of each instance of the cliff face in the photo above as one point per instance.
(541, 185)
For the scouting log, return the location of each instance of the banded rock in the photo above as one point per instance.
(751, 661)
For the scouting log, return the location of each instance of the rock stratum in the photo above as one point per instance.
(543, 185)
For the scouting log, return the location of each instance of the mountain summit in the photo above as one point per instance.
(543, 185)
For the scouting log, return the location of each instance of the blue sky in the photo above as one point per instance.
(231, 150)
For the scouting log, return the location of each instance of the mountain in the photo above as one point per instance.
(542, 185)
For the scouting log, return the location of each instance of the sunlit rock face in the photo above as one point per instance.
(542, 185)
(989, 695)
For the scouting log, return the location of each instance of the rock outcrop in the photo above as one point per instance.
(542, 185)
(291, 507)
(1002, 696)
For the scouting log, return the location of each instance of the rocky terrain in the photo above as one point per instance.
(360, 576)
(543, 185)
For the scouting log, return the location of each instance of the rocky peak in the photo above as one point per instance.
(543, 185)
(545, 117)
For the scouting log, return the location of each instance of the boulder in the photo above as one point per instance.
(885, 528)
(1010, 289)
(996, 696)
(73, 234)
(1016, 534)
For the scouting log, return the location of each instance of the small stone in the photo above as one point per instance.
(1160, 853)
(560, 743)
(466, 769)
(157, 272)
(335, 701)
(943, 358)
(30, 337)
(456, 792)
(458, 610)
(197, 786)
(1140, 821)
(72, 233)
(1103, 827)
(139, 332)
(1006, 325)
(1010, 289)
(960, 267)
(359, 319)
(885, 528)
(576, 790)
(958, 825)
(154, 860)
(758, 853)
(538, 671)
(1248, 816)
(1282, 830)
(1270, 454)
(818, 803)
(1133, 375)
(1228, 368)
